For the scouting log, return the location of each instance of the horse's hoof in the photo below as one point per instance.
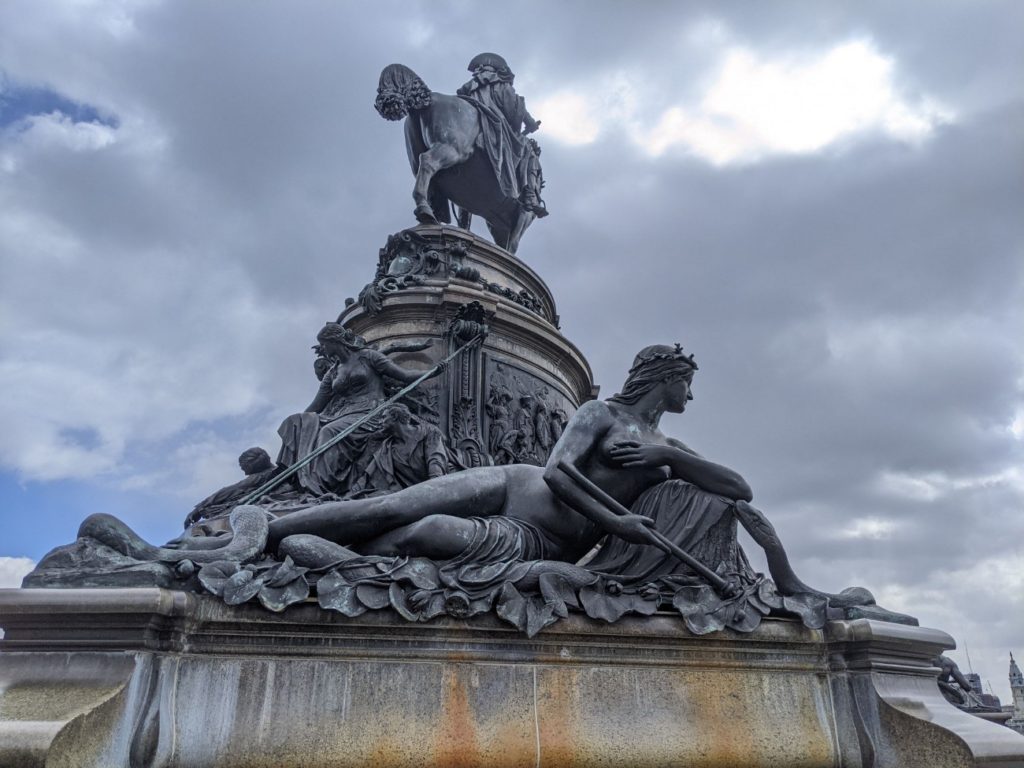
(424, 215)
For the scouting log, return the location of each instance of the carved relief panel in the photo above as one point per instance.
(523, 415)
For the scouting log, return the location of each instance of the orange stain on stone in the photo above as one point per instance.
(456, 744)
(558, 703)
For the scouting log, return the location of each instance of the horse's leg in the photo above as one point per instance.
(524, 220)
(463, 217)
(499, 235)
(439, 205)
(437, 158)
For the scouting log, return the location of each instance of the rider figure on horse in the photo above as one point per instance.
(505, 122)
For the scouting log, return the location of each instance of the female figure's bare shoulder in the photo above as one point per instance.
(594, 412)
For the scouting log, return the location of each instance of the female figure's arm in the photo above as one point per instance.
(324, 393)
(684, 464)
(383, 365)
(581, 437)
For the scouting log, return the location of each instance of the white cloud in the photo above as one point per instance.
(1017, 425)
(904, 486)
(932, 486)
(868, 528)
(13, 570)
(114, 18)
(58, 130)
(984, 621)
(755, 105)
(569, 117)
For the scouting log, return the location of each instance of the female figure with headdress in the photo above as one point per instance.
(353, 384)
(522, 512)
(493, 530)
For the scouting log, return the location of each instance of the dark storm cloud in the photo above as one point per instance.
(857, 311)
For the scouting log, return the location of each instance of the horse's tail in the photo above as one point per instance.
(400, 91)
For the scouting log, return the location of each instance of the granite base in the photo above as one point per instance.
(150, 677)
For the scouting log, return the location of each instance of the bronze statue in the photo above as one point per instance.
(407, 452)
(478, 157)
(506, 538)
(616, 444)
(541, 514)
(258, 468)
(353, 383)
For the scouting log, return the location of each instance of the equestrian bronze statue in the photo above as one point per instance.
(470, 149)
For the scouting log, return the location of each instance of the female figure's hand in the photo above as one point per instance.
(630, 453)
(635, 529)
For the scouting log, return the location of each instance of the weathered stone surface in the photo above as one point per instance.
(155, 678)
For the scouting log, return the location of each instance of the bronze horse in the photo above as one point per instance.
(442, 138)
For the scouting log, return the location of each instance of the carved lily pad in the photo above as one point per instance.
(810, 608)
(285, 573)
(214, 576)
(242, 587)
(360, 568)
(389, 565)
(336, 594)
(701, 623)
(527, 613)
(277, 598)
(745, 617)
(599, 604)
(420, 571)
(482, 604)
(693, 600)
(769, 595)
(558, 592)
(400, 602)
(539, 614)
(511, 606)
(757, 601)
(435, 606)
(373, 596)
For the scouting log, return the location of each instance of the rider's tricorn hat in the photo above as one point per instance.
(490, 60)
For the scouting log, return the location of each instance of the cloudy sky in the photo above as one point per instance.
(823, 201)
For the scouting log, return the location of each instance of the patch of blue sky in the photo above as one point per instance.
(18, 102)
(86, 438)
(36, 517)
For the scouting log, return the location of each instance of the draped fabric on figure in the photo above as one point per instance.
(350, 392)
(704, 525)
(494, 554)
(503, 115)
(506, 566)
(506, 538)
(501, 109)
(700, 523)
(408, 454)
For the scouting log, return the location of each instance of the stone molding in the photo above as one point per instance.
(160, 678)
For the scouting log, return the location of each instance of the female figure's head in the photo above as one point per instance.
(659, 366)
(338, 342)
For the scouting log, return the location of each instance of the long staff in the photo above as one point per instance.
(276, 480)
(657, 538)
